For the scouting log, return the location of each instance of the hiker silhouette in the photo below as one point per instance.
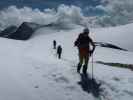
(83, 43)
(90, 85)
(54, 44)
(59, 51)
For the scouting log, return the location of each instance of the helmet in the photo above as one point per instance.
(86, 30)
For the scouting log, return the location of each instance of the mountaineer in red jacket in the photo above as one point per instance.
(83, 43)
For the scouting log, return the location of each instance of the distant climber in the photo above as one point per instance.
(59, 51)
(83, 43)
(54, 44)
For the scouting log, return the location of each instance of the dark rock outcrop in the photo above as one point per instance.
(108, 45)
(8, 31)
(25, 31)
(120, 65)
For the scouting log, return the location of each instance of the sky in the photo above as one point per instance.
(42, 4)
(48, 3)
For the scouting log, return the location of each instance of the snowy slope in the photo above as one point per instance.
(120, 35)
(30, 70)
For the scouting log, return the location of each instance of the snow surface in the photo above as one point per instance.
(120, 36)
(30, 70)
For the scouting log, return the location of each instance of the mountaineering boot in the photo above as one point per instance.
(84, 69)
(79, 67)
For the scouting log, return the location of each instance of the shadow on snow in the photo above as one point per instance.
(90, 85)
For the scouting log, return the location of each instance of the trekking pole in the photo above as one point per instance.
(92, 67)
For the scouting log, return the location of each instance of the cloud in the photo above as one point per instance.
(100, 7)
(117, 12)
(62, 15)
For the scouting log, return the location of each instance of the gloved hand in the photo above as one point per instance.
(91, 52)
